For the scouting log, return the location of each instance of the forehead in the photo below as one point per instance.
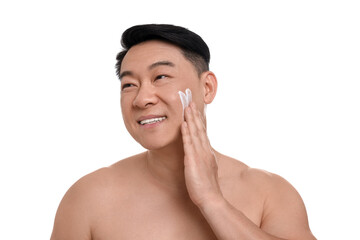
(146, 53)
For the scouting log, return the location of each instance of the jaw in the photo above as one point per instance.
(156, 137)
(173, 150)
(161, 141)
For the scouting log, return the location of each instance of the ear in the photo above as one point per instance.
(209, 83)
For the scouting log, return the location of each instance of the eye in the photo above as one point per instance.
(127, 85)
(161, 77)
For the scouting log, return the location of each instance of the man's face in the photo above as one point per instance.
(151, 75)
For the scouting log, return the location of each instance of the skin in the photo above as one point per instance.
(180, 188)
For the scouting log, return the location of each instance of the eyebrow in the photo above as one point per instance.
(125, 73)
(161, 63)
(152, 66)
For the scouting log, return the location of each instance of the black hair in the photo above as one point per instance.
(192, 45)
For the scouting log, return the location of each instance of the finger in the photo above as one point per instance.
(200, 125)
(193, 130)
(187, 142)
(185, 134)
(199, 121)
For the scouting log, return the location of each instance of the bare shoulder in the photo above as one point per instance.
(103, 180)
(284, 212)
(267, 182)
(270, 182)
(238, 170)
(79, 208)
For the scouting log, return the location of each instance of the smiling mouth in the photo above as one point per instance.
(152, 120)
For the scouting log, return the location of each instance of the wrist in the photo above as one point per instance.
(213, 205)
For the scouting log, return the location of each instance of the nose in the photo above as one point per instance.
(146, 96)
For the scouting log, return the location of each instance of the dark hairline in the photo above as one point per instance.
(192, 46)
(188, 55)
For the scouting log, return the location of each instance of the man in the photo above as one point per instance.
(180, 188)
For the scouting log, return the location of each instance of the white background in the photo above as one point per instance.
(288, 99)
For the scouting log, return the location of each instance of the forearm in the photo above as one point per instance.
(229, 223)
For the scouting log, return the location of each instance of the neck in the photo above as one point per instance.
(166, 166)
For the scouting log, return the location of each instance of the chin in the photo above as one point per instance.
(160, 142)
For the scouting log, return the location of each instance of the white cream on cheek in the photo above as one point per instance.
(185, 98)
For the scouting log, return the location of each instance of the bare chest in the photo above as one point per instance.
(153, 219)
(144, 210)
(158, 216)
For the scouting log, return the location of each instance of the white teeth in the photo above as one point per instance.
(152, 120)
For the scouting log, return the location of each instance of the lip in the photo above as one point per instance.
(151, 125)
(142, 118)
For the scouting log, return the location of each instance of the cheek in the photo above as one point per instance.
(125, 106)
(122, 105)
(174, 102)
